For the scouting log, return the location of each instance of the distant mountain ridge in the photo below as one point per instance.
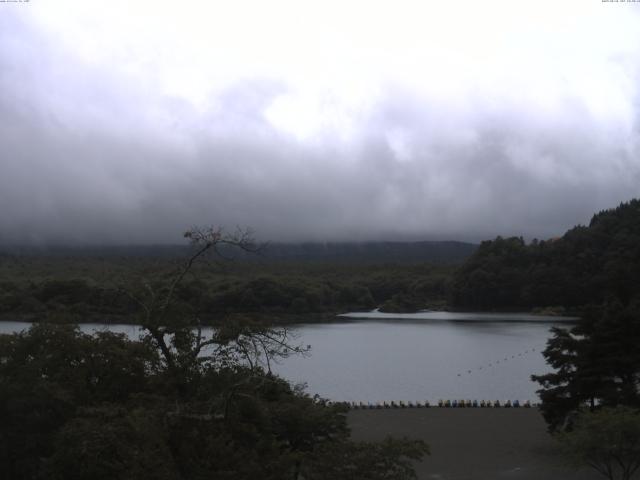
(441, 252)
(379, 252)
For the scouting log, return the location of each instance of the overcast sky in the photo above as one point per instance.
(130, 121)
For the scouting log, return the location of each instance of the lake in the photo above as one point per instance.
(372, 357)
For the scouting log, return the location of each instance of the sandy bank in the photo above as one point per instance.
(473, 443)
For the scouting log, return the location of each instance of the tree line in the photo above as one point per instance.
(88, 288)
(587, 265)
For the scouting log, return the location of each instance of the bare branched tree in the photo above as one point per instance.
(182, 341)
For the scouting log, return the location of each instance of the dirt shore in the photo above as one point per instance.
(473, 443)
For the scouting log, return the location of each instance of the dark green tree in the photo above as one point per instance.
(48, 375)
(588, 264)
(607, 440)
(596, 363)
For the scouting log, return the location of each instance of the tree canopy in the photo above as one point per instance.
(596, 363)
(607, 440)
(588, 264)
(175, 404)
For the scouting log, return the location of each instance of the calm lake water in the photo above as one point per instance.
(371, 357)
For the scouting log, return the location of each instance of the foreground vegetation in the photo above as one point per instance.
(74, 406)
(607, 440)
(174, 405)
(596, 364)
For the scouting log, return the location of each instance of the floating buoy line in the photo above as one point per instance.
(451, 403)
(495, 363)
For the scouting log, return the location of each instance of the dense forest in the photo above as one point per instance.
(88, 287)
(588, 264)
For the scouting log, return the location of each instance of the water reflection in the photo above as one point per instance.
(458, 316)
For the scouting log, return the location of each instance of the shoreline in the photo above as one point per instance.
(284, 319)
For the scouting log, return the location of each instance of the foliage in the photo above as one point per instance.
(596, 363)
(586, 265)
(50, 372)
(173, 405)
(607, 440)
(74, 289)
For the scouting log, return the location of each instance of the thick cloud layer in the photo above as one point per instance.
(109, 139)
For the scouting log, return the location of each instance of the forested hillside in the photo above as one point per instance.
(77, 289)
(66, 284)
(588, 264)
(437, 252)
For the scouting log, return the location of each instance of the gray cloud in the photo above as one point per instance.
(93, 157)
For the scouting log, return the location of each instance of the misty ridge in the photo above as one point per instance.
(368, 252)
